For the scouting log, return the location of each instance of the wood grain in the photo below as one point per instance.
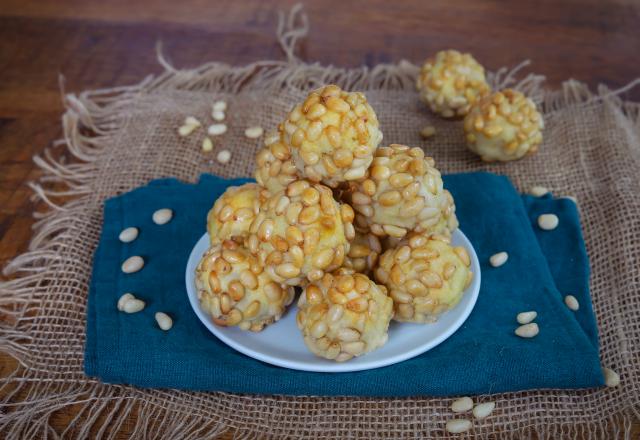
(101, 44)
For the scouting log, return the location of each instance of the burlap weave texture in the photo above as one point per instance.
(122, 138)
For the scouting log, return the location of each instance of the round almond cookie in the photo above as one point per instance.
(234, 288)
(425, 276)
(403, 192)
(504, 126)
(274, 165)
(344, 314)
(234, 211)
(451, 82)
(301, 232)
(332, 135)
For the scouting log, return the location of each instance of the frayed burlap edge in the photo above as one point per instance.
(31, 398)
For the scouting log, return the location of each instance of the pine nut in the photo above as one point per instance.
(538, 191)
(611, 378)
(218, 115)
(207, 145)
(254, 132)
(428, 131)
(463, 404)
(219, 106)
(497, 260)
(323, 258)
(273, 291)
(456, 426)
(164, 321)
(483, 410)
(287, 270)
(528, 330)
(355, 173)
(401, 297)
(191, 120)
(132, 264)
(123, 300)
(133, 305)
(548, 222)
(319, 329)
(572, 302)
(526, 317)
(186, 130)
(348, 334)
(128, 235)
(248, 279)
(162, 216)
(355, 348)
(217, 129)
(223, 156)
(335, 312)
(463, 254)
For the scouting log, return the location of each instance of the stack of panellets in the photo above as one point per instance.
(125, 137)
(291, 230)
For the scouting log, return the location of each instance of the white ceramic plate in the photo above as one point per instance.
(281, 343)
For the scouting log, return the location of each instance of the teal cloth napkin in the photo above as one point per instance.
(483, 356)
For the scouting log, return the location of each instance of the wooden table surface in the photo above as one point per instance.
(106, 43)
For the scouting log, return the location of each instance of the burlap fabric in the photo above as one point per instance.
(122, 138)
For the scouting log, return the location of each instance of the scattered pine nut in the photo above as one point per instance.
(217, 129)
(123, 300)
(528, 330)
(191, 120)
(611, 378)
(128, 235)
(132, 264)
(224, 156)
(526, 317)
(428, 131)
(548, 222)
(207, 145)
(463, 404)
(134, 305)
(164, 321)
(456, 426)
(162, 216)
(218, 115)
(254, 132)
(538, 191)
(186, 130)
(219, 106)
(572, 302)
(483, 410)
(497, 260)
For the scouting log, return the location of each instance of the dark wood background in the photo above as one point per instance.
(105, 43)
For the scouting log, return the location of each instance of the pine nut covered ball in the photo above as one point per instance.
(344, 315)
(504, 126)
(234, 211)
(332, 135)
(234, 288)
(425, 276)
(301, 232)
(451, 82)
(364, 252)
(403, 192)
(274, 165)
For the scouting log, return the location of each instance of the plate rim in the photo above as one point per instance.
(336, 367)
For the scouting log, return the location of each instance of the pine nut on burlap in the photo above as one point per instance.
(124, 137)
